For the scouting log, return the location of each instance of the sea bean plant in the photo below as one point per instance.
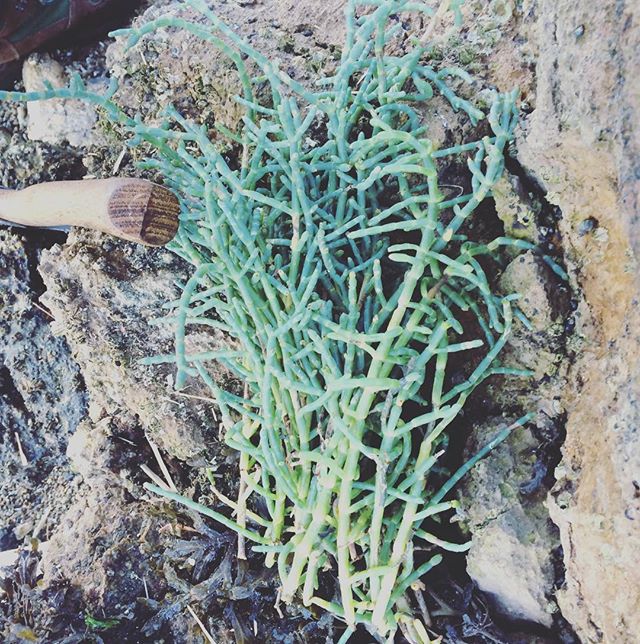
(328, 248)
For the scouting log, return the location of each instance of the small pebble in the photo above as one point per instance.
(587, 226)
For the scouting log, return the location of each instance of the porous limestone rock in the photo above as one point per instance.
(582, 143)
(59, 120)
(105, 295)
(514, 208)
(177, 67)
(511, 555)
(537, 348)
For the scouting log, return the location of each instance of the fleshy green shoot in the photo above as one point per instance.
(333, 258)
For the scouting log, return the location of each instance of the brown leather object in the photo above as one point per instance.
(27, 24)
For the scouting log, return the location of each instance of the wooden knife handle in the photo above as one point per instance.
(133, 209)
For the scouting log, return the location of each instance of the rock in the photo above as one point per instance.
(514, 208)
(177, 67)
(24, 162)
(541, 349)
(57, 121)
(582, 142)
(41, 401)
(104, 295)
(527, 275)
(511, 556)
(537, 348)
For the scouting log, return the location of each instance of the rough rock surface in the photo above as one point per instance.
(178, 68)
(582, 143)
(58, 121)
(105, 295)
(123, 541)
(513, 538)
(42, 400)
(578, 151)
(514, 543)
(538, 348)
(24, 162)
